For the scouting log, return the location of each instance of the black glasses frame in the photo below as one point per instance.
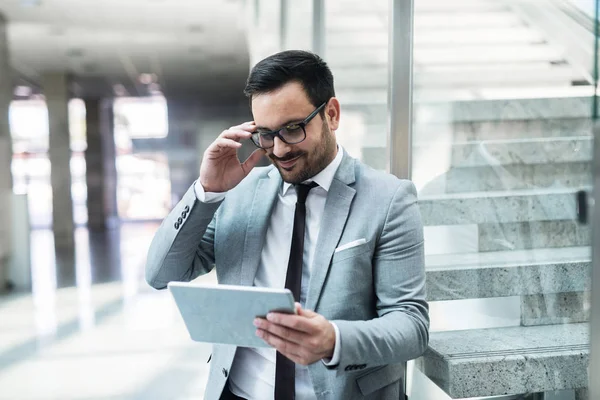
(276, 133)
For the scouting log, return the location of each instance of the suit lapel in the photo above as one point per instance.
(265, 195)
(335, 214)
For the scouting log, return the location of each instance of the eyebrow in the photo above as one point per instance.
(281, 126)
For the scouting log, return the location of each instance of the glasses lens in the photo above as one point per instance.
(293, 134)
(262, 141)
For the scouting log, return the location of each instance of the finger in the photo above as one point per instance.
(246, 126)
(292, 321)
(287, 334)
(252, 161)
(243, 125)
(223, 144)
(289, 349)
(236, 134)
(307, 313)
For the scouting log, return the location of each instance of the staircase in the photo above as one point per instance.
(502, 142)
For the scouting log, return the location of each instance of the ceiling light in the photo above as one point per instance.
(75, 52)
(196, 28)
(22, 91)
(31, 3)
(56, 31)
(147, 79)
(196, 49)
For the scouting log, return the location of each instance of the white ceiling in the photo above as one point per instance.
(195, 47)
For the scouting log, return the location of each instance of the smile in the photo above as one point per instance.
(288, 164)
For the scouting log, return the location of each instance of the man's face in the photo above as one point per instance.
(297, 162)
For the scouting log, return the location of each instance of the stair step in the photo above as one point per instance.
(532, 235)
(492, 130)
(511, 151)
(360, 6)
(374, 117)
(484, 54)
(499, 207)
(507, 273)
(500, 106)
(507, 177)
(423, 6)
(533, 74)
(481, 152)
(520, 360)
(438, 37)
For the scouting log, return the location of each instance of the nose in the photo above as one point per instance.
(280, 148)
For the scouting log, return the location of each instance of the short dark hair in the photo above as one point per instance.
(303, 67)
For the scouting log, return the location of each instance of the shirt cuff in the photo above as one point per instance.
(335, 359)
(207, 197)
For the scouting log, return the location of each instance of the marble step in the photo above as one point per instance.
(425, 133)
(482, 54)
(372, 122)
(378, 21)
(529, 74)
(495, 106)
(520, 360)
(534, 133)
(451, 103)
(360, 6)
(508, 273)
(438, 37)
(502, 152)
(532, 235)
(554, 204)
(502, 177)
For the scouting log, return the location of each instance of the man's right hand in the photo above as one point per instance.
(221, 169)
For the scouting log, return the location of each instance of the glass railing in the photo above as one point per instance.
(502, 142)
(503, 100)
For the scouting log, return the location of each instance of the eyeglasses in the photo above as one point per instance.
(290, 134)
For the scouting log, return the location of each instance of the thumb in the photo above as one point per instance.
(252, 160)
(305, 312)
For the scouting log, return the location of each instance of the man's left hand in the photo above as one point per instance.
(304, 338)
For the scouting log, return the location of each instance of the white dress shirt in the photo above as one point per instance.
(252, 374)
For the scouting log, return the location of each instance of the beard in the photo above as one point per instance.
(311, 162)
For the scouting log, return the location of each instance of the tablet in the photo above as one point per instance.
(225, 313)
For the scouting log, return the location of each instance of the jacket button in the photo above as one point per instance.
(183, 215)
(224, 372)
(180, 220)
(186, 209)
(176, 225)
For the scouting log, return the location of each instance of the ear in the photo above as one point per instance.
(332, 113)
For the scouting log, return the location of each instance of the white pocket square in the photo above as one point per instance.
(350, 245)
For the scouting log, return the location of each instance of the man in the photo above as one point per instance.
(346, 239)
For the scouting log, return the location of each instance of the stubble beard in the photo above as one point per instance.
(315, 162)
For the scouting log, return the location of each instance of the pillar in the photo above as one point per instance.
(184, 119)
(5, 99)
(55, 86)
(101, 171)
(5, 153)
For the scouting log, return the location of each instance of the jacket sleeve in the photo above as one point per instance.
(401, 330)
(183, 246)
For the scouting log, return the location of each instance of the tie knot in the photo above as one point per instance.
(302, 191)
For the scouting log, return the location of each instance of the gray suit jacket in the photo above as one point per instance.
(374, 292)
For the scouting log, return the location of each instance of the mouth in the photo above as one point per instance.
(288, 164)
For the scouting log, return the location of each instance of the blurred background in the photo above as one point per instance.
(106, 108)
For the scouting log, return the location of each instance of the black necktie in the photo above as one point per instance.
(285, 369)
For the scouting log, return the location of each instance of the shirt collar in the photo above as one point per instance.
(323, 178)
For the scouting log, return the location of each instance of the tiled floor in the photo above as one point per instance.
(96, 331)
(93, 329)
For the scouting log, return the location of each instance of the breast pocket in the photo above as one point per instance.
(351, 252)
(348, 292)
